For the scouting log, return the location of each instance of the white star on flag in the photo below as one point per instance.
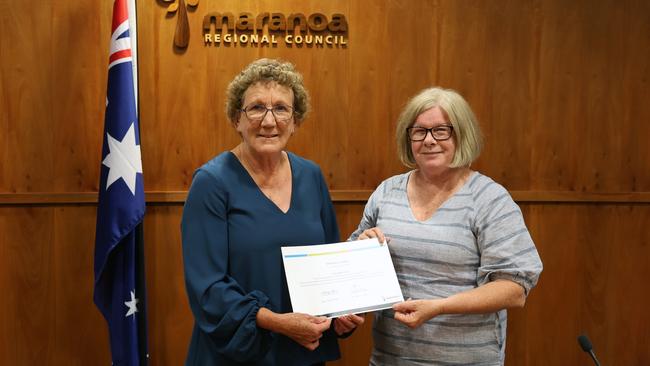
(133, 308)
(124, 160)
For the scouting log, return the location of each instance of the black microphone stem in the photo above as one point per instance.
(593, 355)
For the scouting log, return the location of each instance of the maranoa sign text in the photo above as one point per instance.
(267, 29)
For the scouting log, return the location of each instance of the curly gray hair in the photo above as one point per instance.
(268, 70)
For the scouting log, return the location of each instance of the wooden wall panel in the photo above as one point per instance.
(169, 316)
(26, 83)
(596, 261)
(80, 334)
(28, 315)
(48, 315)
(53, 94)
(592, 91)
(560, 89)
(80, 76)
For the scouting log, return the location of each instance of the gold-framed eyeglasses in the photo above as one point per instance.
(439, 133)
(257, 112)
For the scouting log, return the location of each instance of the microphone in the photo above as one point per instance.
(585, 344)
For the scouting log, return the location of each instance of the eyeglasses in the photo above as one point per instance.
(439, 133)
(257, 112)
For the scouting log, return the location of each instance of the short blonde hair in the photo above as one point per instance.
(466, 130)
(266, 71)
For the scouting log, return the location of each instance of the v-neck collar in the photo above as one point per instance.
(259, 190)
(470, 178)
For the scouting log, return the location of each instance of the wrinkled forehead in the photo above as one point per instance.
(268, 91)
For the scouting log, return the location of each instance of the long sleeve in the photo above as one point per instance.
(222, 309)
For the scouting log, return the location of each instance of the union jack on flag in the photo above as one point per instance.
(119, 261)
(120, 39)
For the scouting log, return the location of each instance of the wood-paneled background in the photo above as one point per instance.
(561, 89)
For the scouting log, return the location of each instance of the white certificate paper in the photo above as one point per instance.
(343, 278)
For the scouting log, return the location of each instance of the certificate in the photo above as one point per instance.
(343, 278)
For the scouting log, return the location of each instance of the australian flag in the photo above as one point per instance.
(119, 266)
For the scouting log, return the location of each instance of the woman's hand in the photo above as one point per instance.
(304, 329)
(488, 298)
(415, 312)
(347, 323)
(374, 232)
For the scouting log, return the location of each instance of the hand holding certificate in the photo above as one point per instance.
(343, 278)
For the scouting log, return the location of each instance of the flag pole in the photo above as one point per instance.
(143, 347)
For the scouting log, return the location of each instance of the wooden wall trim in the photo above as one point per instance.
(338, 196)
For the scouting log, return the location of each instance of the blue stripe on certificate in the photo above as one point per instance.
(331, 252)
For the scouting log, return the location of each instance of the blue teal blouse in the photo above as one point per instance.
(232, 234)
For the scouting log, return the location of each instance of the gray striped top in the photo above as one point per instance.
(476, 236)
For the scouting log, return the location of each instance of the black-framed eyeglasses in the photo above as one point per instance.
(257, 112)
(439, 133)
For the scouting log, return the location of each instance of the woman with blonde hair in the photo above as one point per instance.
(458, 241)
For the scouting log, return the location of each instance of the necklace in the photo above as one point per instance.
(425, 197)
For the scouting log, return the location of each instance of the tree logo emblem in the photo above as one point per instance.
(182, 34)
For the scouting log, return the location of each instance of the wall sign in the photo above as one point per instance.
(266, 29)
